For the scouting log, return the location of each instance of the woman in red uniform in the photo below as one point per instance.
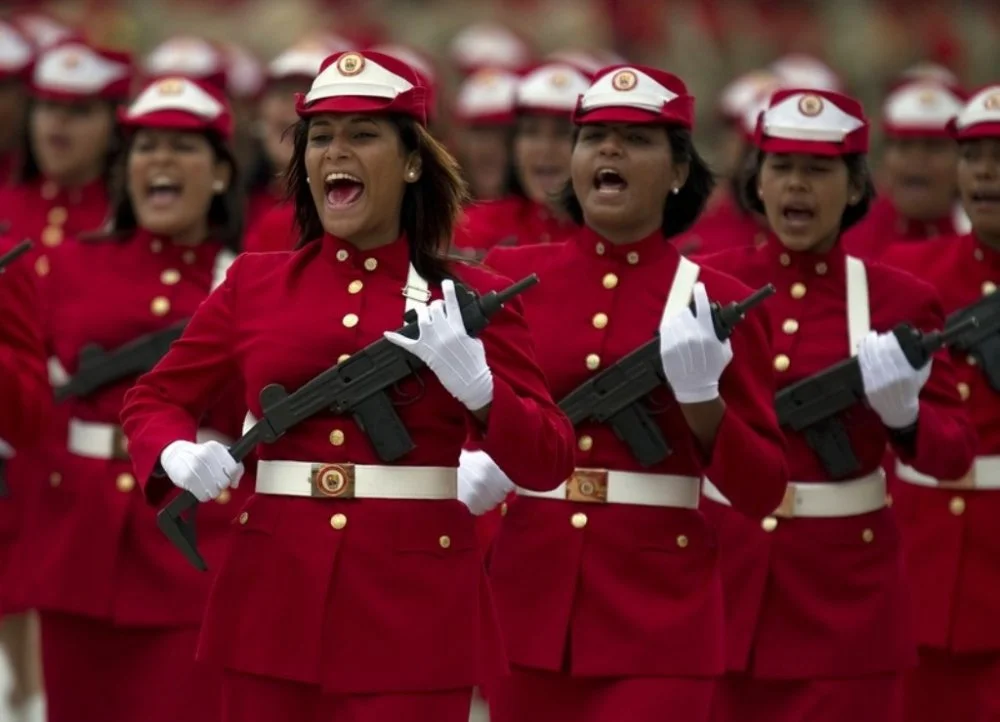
(271, 227)
(24, 388)
(119, 610)
(919, 161)
(607, 587)
(540, 155)
(485, 118)
(75, 88)
(818, 616)
(375, 606)
(728, 222)
(949, 526)
(16, 55)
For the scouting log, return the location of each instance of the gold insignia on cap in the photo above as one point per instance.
(71, 61)
(811, 105)
(170, 86)
(624, 80)
(992, 102)
(928, 97)
(350, 64)
(559, 80)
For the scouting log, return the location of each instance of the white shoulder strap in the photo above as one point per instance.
(859, 320)
(960, 219)
(415, 291)
(223, 260)
(680, 291)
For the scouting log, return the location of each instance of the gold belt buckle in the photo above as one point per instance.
(119, 444)
(786, 509)
(588, 485)
(332, 481)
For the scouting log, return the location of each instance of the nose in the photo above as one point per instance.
(611, 145)
(338, 148)
(986, 169)
(798, 181)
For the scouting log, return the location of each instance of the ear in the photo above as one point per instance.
(222, 176)
(681, 173)
(414, 168)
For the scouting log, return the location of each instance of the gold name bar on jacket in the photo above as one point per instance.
(356, 481)
(602, 486)
(824, 499)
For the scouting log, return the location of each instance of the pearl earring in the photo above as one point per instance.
(411, 175)
(676, 190)
(218, 186)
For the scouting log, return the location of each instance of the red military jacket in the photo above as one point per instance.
(48, 215)
(510, 221)
(950, 536)
(884, 228)
(393, 596)
(92, 546)
(828, 597)
(24, 388)
(636, 590)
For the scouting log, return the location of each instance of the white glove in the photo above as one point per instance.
(203, 469)
(457, 359)
(481, 483)
(6, 450)
(693, 357)
(891, 384)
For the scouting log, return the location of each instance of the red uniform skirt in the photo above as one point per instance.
(96, 672)
(531, 695)
(948, 687)
(875, 698)
(249, 698)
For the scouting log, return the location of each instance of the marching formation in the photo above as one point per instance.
(362, 416)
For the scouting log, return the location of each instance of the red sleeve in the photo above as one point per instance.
(946, 438)
(749, 437)
(166, 404)
(527, 435)
(24, 387)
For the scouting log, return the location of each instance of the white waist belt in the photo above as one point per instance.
(823, 499)
(984, 474)
(624, 487)
(107, 441)
(352, 481)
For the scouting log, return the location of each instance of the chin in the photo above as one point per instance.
(798, 242)
(341, 227)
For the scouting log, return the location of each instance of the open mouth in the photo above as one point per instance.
(985, 196)
(163, 190)
(914, 182)
(798, 213)
(549, 175)
(608, 180)
(343, 189)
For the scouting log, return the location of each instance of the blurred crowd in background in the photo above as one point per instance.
(707, 42)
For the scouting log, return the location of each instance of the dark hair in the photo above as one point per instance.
(858, 173)
(29, 169)
(680, 211)
(431, 204)
(744, 165)
(225, 214)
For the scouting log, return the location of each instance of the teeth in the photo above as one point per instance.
(162, 182)
(332, 177)
(607, 173)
